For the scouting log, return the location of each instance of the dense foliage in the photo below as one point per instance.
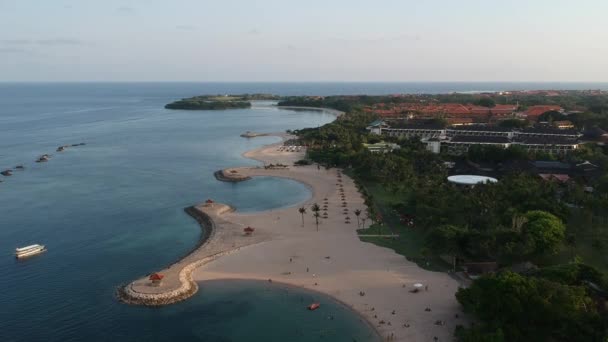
(588, 109)
(520, 218)
(216, 102)
(511, 307)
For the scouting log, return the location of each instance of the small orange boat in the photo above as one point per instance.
(314, 306)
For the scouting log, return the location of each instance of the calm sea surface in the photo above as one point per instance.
(112, 210)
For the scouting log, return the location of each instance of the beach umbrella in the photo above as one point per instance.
(418, 285)
(248, 230)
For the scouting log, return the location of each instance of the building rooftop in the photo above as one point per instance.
(480, 139)
(542, 164)
(549, 130)
(418, 126)
(545, 140)
(481, 128)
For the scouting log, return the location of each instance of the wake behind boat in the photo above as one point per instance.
(29, 251)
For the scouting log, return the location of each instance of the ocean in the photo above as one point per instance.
(111, 210)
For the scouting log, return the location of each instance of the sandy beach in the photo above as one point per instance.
(374, 281)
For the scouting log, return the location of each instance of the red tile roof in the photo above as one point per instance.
(536, 111)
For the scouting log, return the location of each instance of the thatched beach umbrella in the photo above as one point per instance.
(156, 278)
(248, 230)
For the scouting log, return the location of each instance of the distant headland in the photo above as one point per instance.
(218, 102)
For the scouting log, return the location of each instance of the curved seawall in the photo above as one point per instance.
(177, 284)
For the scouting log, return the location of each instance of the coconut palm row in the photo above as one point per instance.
(315, 208)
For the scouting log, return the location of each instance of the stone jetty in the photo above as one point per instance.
(230, 175)
(219, 238)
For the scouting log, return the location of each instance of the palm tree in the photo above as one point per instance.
(316, 215)
(357, 213)
(315, 208)
(302, 211)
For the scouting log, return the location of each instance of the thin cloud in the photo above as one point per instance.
(59, 42)
(13, 50)
(42, 42)
(16, 41)
(254, 31)
(185, 27)
(125, 10)
(375, 40)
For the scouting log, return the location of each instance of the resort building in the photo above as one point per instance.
(548, 144)
(548, 132)
(534, 112)
(564, 124)
(455, 111)
(458, 140)
(460, 144)
(414, 131)
(381, 147)
(480, 131)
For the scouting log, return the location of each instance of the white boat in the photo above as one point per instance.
(29, 250)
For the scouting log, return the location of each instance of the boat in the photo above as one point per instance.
(313, 306)
(29, 250)
(43, 158)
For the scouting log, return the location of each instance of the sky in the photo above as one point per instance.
(286, 40)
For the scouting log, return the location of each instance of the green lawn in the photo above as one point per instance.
(410, 242)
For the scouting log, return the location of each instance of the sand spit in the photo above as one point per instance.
(330, 258)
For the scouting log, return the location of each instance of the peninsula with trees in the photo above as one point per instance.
(218, 102)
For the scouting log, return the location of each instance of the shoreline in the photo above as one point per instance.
(329, 110)
(371, 280)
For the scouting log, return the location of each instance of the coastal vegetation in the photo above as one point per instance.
(560, 229)
(586, 108)
(217, 102)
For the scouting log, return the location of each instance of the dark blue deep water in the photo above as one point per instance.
(112, 210)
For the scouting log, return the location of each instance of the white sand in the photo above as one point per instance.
(353, 266)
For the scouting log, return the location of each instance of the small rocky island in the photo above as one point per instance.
(217, 102)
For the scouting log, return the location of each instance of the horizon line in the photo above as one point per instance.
(337, 81)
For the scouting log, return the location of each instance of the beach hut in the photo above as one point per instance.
(248, 230)
(156, 279)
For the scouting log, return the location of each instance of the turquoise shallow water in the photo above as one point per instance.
(259, 311)
(112, 210)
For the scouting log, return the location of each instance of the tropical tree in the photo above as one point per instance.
(544, 230)
(508, 304)
(302, 211)
(447, 239)
(317, 215)
(357, 213)
(316, 208)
